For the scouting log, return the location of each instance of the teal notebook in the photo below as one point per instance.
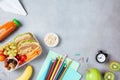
(52, 55)
(71, 74)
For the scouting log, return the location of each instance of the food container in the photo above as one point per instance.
(20, 51)
(7, 61)
(51, 39)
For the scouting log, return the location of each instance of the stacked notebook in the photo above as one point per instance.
(58, 67)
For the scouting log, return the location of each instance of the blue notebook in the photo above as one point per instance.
(52, 55)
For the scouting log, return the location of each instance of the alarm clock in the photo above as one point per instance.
(101, 57)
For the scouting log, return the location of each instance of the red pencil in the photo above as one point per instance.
(52, 69)
(49, 70)
(57, 67)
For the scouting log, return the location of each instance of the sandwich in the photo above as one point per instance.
(21, 37)
(27, 45)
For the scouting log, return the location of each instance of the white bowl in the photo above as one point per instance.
(47, 39)
(15, 66)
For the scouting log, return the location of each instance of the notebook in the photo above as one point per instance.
(71, 74)
(52, 55)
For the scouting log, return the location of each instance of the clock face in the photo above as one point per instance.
(101, 57)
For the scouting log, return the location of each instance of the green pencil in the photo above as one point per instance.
(65, 70)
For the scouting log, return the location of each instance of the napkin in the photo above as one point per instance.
(13, 6)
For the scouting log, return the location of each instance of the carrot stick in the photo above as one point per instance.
(34, 54)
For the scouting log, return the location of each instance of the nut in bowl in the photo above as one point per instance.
(10, 63)
(23, 49)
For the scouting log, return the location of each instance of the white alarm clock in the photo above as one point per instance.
(101, 57)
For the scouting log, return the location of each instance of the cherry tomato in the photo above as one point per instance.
(20, 62)
(6, 56)
(2, 57)
(1, 52)
(18, 57)
(23, 57)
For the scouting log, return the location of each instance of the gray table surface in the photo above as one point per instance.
(84, 27)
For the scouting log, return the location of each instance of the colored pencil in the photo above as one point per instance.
(65, 70)
(59, 60)
(49, 69)
(52, 68)
(60, 71)
(45, 72)
(59, 67)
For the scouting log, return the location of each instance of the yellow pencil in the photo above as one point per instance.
(59, 59)
(65, 70)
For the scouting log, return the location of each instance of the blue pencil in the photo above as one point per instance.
(49, 69)
(61, 73)
(43, 76)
